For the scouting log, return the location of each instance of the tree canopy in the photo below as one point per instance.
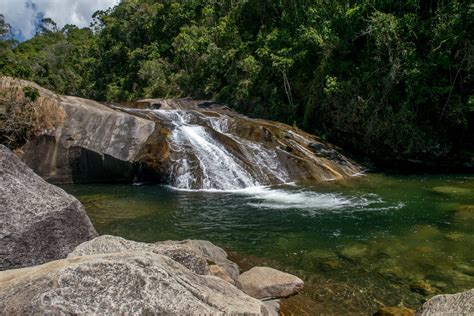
(388, 79)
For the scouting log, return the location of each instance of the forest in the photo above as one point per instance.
(388, 80)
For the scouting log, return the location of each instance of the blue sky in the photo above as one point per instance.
(23, 15)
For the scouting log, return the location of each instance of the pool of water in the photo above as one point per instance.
(373, 240)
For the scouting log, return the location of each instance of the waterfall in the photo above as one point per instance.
(201, 157)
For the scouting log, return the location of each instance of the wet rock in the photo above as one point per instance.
(454, 236)
(111, 244)
(425, 232)
(119, 283)
(321, 259)
(354, 251)
(465, 268)
(449, 304)
(264, 282)
(393, 271)
(464, 217)
(40, 222)
(451, 190)
(423, 287)
(395, 311)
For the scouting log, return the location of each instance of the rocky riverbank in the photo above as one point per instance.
(82, 274)
(183, 142)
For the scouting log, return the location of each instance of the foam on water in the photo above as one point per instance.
(290, 197)
(272, 198)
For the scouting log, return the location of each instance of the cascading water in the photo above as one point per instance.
(211, 151)
(200, 159)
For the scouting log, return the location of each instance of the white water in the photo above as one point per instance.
(200, 161)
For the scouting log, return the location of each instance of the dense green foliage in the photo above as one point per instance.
(390, 79)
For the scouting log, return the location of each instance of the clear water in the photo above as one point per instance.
(358, 244)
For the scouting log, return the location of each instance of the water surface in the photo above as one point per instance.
(373, 240)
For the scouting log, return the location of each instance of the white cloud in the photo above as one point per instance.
(23, 14)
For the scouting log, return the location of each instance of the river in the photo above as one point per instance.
(373, 240)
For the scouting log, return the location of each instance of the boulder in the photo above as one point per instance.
(93, 143)
(449, 304)
(264, 282)
(212, 253)
(119, 283)
(110, 244)
(40, 222)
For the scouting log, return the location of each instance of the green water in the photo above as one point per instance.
(359, 244)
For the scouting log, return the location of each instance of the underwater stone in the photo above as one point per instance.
(395, 311)
(354, 251)
(423, 287)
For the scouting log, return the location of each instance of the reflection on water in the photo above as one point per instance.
(391, 240)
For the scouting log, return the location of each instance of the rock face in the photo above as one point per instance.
(93, 144)
(206, 137)
(187, 143)
(40, 222)
(264, 282)
(199, 256)
(449, 304)
(213, 254)
(110, 244)
(119, 283)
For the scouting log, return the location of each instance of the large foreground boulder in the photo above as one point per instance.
(264, 283)
(449, 304)
(39, 222)
(200, 256)
(110, 244)
(120, 283)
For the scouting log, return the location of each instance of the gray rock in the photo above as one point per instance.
(272, 306)
(120, 283)
(264, 282)
(94, 143)
(212, 253)
(449, 304)
(219, 272)
(110, 244)
(40, 222)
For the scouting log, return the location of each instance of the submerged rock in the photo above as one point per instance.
(464, 217)
(264, 282)
(355, 251)
(40, 222)
(120, 283)
(449, 304)
(452, 190)
(423, 287)
(395, 311)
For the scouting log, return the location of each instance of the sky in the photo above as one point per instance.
(23, 15)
